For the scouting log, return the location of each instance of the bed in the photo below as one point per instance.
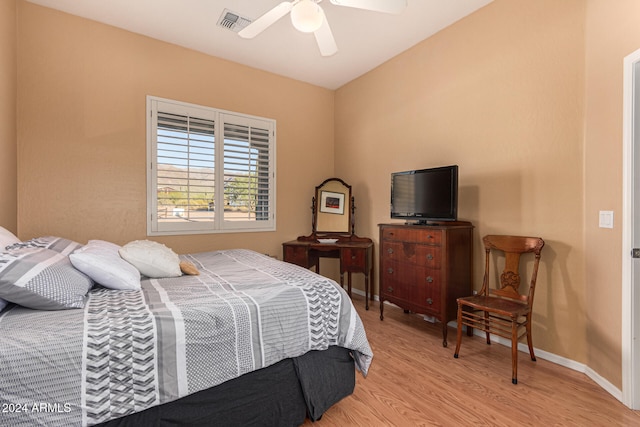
(249, 341)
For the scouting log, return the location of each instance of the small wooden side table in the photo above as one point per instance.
(356, 256)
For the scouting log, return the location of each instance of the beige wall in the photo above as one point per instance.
(81, 129)
(8, 183)
(501, 94)
(525, 96)
(612, 33)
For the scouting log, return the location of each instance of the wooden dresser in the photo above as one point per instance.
(424, 268)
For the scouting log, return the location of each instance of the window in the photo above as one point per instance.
(209, 170)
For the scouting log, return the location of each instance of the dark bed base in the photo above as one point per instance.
(283, 394)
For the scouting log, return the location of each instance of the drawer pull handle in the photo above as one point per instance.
(429, 236)
(429, 279)
(353, 257)
(429, 301)
(390, 251)
(389, 289)
(390, 270)
(429, 257)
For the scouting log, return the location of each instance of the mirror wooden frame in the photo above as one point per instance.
(332, 209)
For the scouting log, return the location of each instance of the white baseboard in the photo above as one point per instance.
(551, 357)
(361, 293)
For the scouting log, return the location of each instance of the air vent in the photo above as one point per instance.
(233, 21)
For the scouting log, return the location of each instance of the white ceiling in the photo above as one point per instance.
(365, 39)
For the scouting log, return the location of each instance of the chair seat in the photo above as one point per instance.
(502, 306)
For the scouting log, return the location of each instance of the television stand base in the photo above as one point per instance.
(429, 222)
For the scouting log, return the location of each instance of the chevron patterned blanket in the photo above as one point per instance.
(130, 350)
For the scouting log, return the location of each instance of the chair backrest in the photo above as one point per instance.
(509, 283)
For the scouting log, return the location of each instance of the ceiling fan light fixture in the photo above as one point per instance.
(306, 16)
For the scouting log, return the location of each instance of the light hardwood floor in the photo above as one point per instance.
(414, 381)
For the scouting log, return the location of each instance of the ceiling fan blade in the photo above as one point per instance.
(387, 6)
(266, 20)
(324, 38)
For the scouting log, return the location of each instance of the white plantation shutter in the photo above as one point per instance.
(210, 170)
(247, 169)
(185, 171)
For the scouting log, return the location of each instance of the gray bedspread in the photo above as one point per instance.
(130, 350)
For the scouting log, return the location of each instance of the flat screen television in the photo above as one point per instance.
(425, 195)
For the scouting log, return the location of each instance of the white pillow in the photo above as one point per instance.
(152, 259)
(7, 238)
(101, 261)
(104, 244)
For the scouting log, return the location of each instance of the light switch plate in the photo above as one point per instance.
(606, 219)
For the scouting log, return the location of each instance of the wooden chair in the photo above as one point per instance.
(500, 307)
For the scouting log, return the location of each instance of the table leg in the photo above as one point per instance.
(366, 292)
(373, 277)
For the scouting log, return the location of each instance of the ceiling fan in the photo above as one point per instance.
(308, 17)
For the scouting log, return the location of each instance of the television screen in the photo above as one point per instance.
(425, 194)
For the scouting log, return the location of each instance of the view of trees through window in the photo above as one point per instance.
(186, 175)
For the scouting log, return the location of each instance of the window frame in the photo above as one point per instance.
(219, 117)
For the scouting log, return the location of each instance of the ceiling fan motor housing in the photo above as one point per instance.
(306, 16)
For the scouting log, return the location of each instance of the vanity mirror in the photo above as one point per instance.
(333, 209)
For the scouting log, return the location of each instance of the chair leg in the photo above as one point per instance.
(514, 352)
(459, 331)
(529, 339)
(486, 326)
(445, 331)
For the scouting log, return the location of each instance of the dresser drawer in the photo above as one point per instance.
(353, 260)
(413, 253)
(427, 290)
(397, 270)
(396, 279)
(430, 236)
(419, 285)
(394, 289)
(295, 255)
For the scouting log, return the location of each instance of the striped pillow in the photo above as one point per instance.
(42, 278)
(57, 244)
